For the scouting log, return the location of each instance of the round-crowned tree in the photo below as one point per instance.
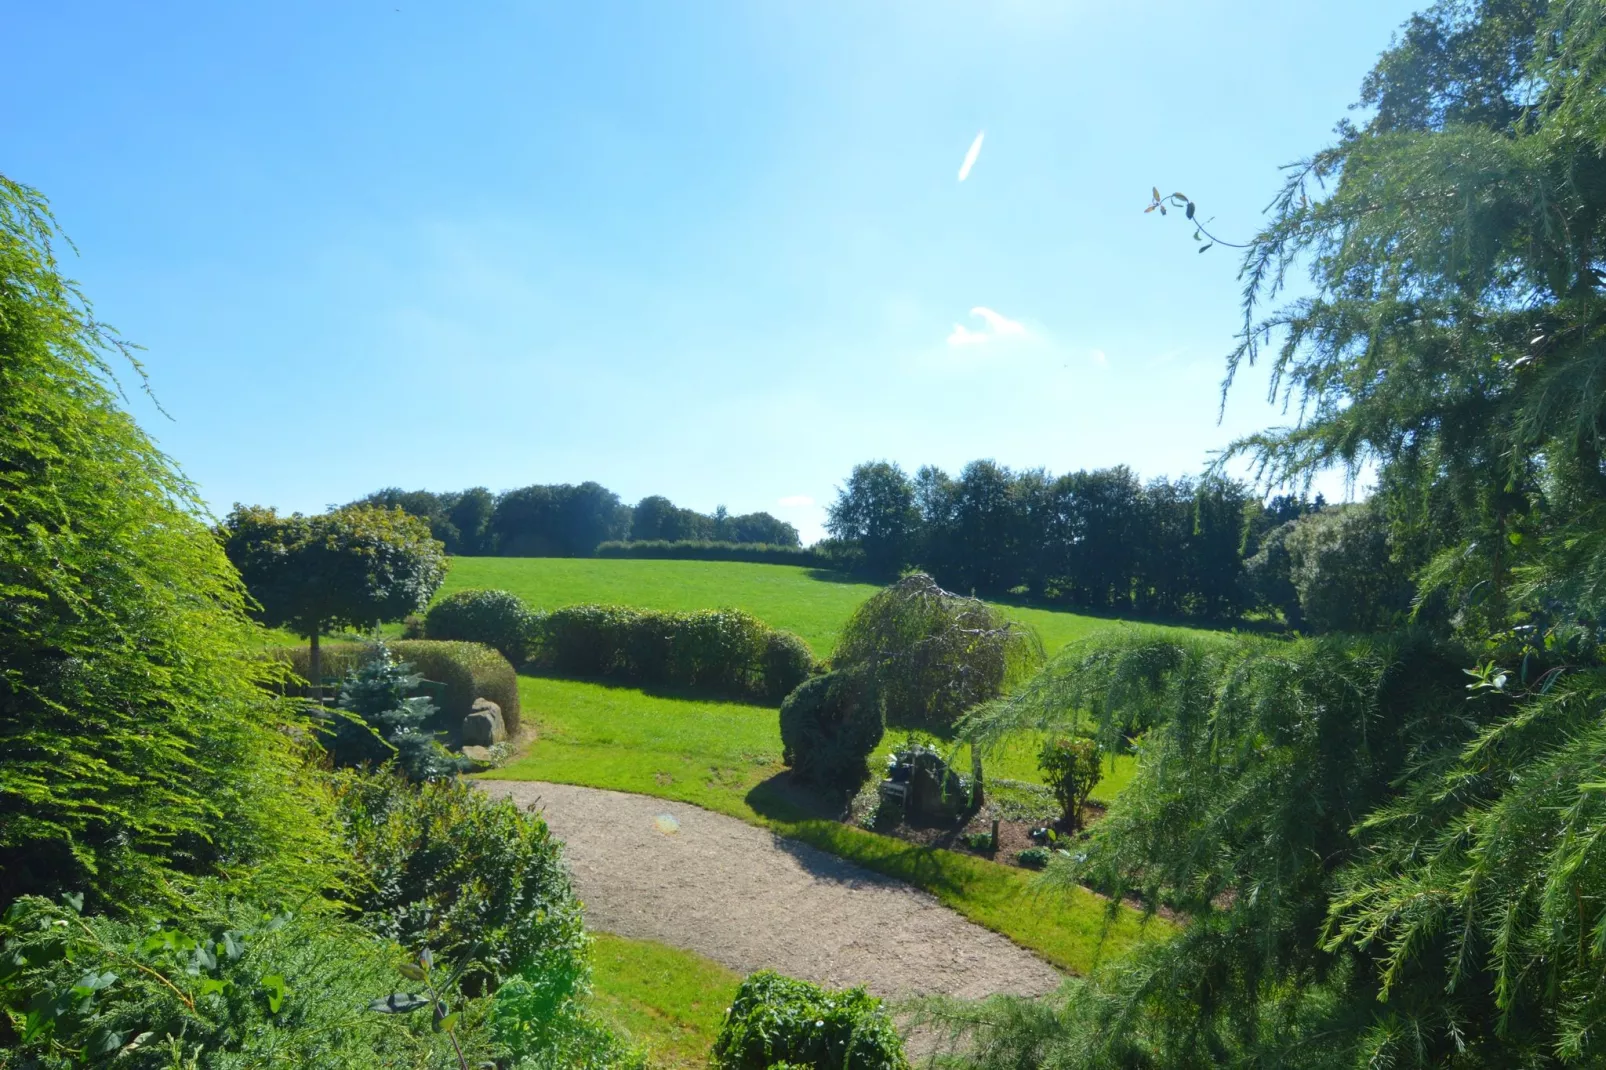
(355, 567)
(830, 726)
(499, 619)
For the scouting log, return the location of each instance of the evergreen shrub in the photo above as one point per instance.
(721, 650)
(785, 664)
(498, 619)
(383, 718)
(777, 1020)
(465, 671)
(829, 728)
(473, 879)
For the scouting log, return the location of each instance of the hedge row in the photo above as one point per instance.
(723, 650)
(697, 550)
(466, 671)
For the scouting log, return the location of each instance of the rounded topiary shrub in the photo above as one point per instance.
(785, 664)
(781, 1021)
(830, 726)
(498, 619)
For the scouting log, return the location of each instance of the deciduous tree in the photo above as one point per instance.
(356, 567)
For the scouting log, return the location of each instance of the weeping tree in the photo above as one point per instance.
(1390, 846)
(933, 654)
(139, 751)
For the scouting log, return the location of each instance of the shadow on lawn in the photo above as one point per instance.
(833, 851)
(781, 798)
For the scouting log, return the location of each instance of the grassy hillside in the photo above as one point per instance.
(812, 603)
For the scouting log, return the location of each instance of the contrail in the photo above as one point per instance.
(970, 157)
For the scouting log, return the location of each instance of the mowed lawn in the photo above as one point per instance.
(726, 757)
(809, 602)
(670, 1001)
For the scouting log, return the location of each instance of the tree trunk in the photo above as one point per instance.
(315, 669)
(977, 797)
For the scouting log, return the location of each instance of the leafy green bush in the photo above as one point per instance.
(1033, 857)
(1342, 565)
(706, 550)
(230, 989)
(498, 619)
(786, 662)
(138, 749)
(382, 723)
(829, 728)
(1072, 767)
(722, 650)
(781, 1020)
(465, 671)
(480, 884)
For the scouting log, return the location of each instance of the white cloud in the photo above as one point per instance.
(1000, 325)
(995, 325)
(793, 501)
(970, 157)
(964, 336)
(1099, 356)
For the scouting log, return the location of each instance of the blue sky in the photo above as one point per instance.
(717, 251)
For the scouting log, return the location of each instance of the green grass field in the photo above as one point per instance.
(811, 603)
(671, 1002)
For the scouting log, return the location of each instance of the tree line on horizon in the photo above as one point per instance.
(569, 520)
(1101, 539)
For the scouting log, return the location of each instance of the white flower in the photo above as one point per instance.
(819, 1022)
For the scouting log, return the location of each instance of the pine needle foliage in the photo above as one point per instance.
(1456, 335)
(1259, 761)
(1382, 863)
(137, 748)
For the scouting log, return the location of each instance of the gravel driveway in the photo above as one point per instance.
(742, 896)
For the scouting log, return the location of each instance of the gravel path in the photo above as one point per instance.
(742, 896)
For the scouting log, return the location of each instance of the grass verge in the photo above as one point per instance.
(672, 1002)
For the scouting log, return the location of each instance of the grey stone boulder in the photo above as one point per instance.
(483, 727)
(480, 756)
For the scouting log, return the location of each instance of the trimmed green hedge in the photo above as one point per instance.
(778, 1020)
(467, 670)
(723, 650)
(762, 553)
(499, 619)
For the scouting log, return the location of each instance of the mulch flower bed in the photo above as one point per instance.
(1014, 832)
